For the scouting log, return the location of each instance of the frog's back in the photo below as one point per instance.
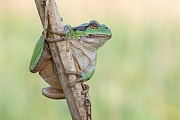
(43, 63)
(37, 53)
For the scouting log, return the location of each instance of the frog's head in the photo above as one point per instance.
(93, 33)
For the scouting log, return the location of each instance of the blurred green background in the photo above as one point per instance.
(137, 75)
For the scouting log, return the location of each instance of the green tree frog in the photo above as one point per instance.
(84, 41)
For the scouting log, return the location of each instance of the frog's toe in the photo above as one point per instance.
(76, 81)
(53, 93)
(86, 89)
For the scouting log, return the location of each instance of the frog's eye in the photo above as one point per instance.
(94, 25)
(81, 28)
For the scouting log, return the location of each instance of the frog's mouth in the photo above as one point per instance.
(103, 36)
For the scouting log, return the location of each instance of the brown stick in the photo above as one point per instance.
(79, 105)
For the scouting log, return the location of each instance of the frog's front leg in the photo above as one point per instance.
(82, 76)
(51, 40)
(61, 38)
(63, 34)
(79, 79)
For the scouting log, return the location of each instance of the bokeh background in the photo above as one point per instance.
(137, 75)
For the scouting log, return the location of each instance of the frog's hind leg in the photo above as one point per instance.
(53, 93)
(49, 74)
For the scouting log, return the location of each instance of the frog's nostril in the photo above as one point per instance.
(106, 27)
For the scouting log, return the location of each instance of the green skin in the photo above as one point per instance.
(85, 40)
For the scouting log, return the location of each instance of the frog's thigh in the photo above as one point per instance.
(53, 93)
(49, 74)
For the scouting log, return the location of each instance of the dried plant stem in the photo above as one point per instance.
(79, 105)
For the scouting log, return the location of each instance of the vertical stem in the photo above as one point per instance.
(77, 103)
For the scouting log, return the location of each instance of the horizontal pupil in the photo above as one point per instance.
(94, 24)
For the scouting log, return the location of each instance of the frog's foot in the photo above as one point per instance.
(61, 34)
(85, 89)
(80, 79)
(52, 93)
(76, 81)
(72, 72)
(51, 40)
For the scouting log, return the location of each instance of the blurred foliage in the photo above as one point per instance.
(137, 75)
